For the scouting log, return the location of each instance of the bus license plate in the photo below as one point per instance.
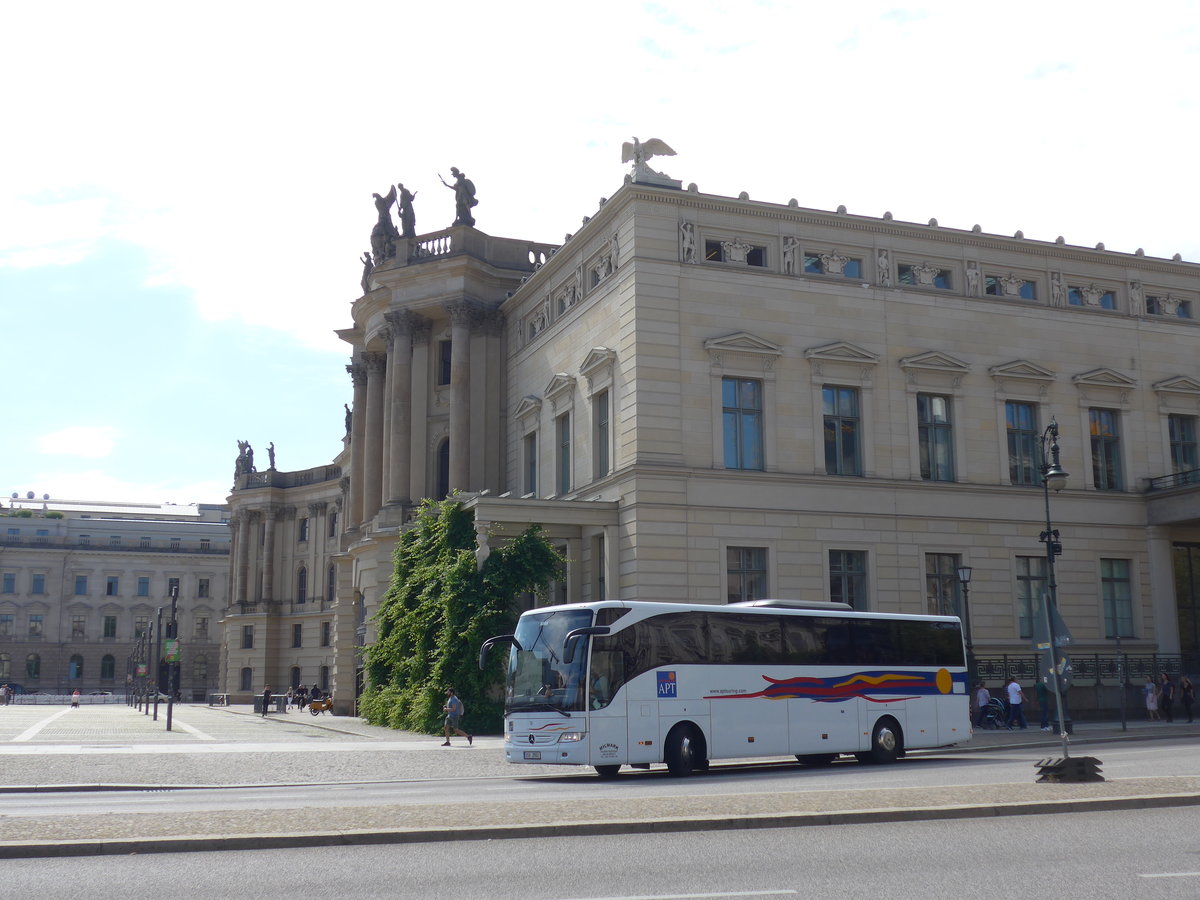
(533, 754)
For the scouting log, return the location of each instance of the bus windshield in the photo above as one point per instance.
(538, 679)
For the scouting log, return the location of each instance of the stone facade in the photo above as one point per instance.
(80, 581)
(710, 399)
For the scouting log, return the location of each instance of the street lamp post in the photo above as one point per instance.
(1053, 478)
(964, 579)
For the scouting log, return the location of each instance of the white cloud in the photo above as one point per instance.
(85, 442)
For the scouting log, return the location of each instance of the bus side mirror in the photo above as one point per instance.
(573, 637)
(499, 639)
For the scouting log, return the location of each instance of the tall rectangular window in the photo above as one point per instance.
(1117, 589)
(842, 430)
(1024, 458)
(201, 628)
(143, 586)
(742, 410)
(935, 437)
(112, 586)
(943, 592)
(172, 586)
(9, 583)
(78, 628)
(38, 584)
(563, 430)
(141, 624)
(443, 362)
(600, 434)
(1031, 584)
(325, 633)
(848, 577)
(1106, 449)
(302, 529)
(1182, 430)
(80, 585)
(530, 463)
(746, 573)
(202, 588)
(6, 624)
(110, 627)
(36, 624)
(297, 635)
(247, 637)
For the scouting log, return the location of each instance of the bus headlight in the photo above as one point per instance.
(569, 737)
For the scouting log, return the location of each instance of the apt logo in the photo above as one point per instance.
(667, 685)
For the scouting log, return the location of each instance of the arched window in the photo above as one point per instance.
(108, 667)
(443, 470)
(200, 668)
(247, 679)
(295, 677)
(330, 583)
(75, 668)
(33, 666)
(302, 585)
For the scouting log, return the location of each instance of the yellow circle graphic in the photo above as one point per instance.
(945, 681)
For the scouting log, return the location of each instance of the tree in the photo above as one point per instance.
(439, 608)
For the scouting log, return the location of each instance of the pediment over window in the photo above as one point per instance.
(1180, 384)
(1105, 377)
(597, 367)
(743, 347)
(529, 406)
(934, 369)
(560, 386)
(1023, 369)
(842, 351)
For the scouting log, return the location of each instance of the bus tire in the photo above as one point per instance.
(607, 771)
(887, 743)
(816, 760)
(684, 751)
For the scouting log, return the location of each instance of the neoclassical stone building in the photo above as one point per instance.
(80, 582)
(713, 399)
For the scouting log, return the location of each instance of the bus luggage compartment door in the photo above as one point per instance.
(644, 744)
(820, 727)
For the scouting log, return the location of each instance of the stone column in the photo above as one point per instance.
(460, 396)
(250, 579)
(418, 486)
(270, 515)
(1161, 564)
(373, 463)
(399, 462)
(358, 441)
(316, 532)
(241, 556)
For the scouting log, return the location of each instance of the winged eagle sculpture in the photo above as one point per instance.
(638, 152)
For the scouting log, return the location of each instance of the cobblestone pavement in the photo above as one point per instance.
(47, 748)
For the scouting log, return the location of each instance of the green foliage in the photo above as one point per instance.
(437, 612)
(22, 513)
(54, 514)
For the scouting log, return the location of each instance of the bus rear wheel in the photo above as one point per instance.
(607, 771)
(887, 743)
(684, 751)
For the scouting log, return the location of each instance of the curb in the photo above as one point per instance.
(32, 850)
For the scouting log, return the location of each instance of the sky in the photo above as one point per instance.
(186, 188)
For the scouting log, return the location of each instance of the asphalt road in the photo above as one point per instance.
(1143, 854)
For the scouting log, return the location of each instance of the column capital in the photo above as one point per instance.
(463, 312)
(358, 371)
(404, 322)
(315, 509)
(375, 362)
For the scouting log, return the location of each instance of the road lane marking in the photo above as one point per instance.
(780, 893)
(192, 729)
(1170, 875)
(31, 732)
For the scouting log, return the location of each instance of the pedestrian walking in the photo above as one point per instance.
(75, 699)
(302, 696)
(1150, 694)
(1166, 695)
(1016, 701)
(291, 699)
(982, 698)
(454, 711)
(1187, 695)
(266, 698)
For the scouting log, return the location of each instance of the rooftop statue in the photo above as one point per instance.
(464, 197)
(638, 153)
(408, 219)
(384, 234)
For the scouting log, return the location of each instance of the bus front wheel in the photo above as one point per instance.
(887, 743)
(684, 751)
(607, 771)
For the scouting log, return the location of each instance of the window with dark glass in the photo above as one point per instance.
(108, 667)
(302, 529)
(1182, 431)
(742, 423)
(1117, 590)
(842, 427)
(746, 573)
(1024, 456)
(110, 627)
(302, 585)
(1091, 296)
(530, 463)
(935, 437)
(1031, 584)
(1106, 449)
(563, 430)
(848, 577)
(247, 637)
(600, 439)
(943, 592)
(297, 635)
(80, 585)
(443, 361)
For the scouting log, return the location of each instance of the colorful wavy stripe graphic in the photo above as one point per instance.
(877, 687)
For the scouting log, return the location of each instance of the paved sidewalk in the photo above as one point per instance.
(101, 749)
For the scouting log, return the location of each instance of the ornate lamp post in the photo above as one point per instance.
(964, 578)
(1053, 478)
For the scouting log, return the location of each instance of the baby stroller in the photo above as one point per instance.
(994, 715)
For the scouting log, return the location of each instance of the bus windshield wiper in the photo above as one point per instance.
(529, 707)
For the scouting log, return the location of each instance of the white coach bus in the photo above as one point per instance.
(609, 684)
